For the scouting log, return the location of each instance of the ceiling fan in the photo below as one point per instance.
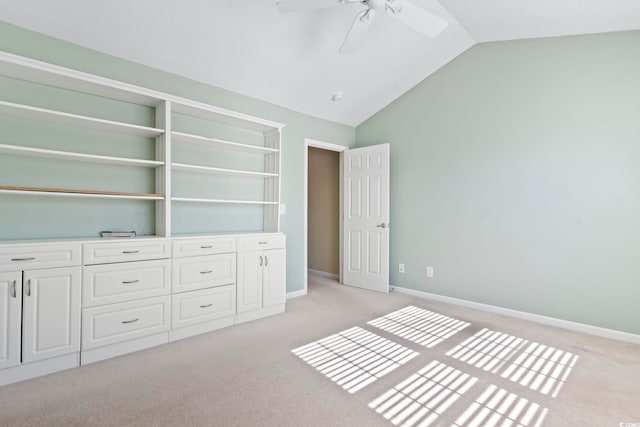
(404, 11)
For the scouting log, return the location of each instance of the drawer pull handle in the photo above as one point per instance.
(129, 282)
(130, 252)
(206, 272)
(262, 243)
(28, 291)
(205, 306)
(13, 293)
(23, 259)
(131, 321)
(206, 247)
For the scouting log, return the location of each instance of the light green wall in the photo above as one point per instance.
(28, 217)
(515, 172)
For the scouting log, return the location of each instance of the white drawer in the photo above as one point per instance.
(104, 253)
(111, 283)
(194, 307)
(267, 241)
(190, 274)
(34, 257)
(115, 323)
(208, 246)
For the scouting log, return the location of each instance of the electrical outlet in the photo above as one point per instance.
(401, 268)
(429, 271)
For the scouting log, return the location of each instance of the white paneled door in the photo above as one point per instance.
(366, 217)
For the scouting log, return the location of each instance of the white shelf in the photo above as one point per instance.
(221, 171)
(29, 112)
(220, 143)
(59, 192)
(209, 112)
(66, 155)
(221, 201)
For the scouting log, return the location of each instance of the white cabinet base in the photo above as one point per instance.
(260, 313)
(113, 350)
(200, 328)
(37, 369)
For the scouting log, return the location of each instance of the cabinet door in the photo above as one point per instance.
(274, 278)
(10, 309)
(249, 281)
(51, 313)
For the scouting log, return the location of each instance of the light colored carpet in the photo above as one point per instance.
(247, 375)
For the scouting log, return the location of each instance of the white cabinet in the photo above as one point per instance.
(261, 279)
(190, 308)
(111, 283)
(274, 286)
(116, 323)
(250, 274)
(126, 300)
(10, 314)
(129, 295)
(39, 321)
(200, 272)
(203, 285)
(51, 313)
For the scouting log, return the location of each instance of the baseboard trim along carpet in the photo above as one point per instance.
(296, 294)
(551, 321)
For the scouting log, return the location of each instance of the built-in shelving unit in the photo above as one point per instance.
(166, 140)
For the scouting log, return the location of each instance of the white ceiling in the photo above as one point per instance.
(292, 60)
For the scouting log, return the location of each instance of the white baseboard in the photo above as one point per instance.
(551, 321)
(324, 274)
(296, 294)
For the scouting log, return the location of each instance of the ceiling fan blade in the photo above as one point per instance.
(302, 5)
(419, 19)
(358, 31)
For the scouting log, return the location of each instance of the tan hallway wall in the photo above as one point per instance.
(324, 210)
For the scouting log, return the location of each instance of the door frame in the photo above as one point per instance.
(308, 142)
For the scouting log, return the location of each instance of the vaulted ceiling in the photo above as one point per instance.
(292, 60)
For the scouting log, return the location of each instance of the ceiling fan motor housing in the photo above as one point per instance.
(375, 4)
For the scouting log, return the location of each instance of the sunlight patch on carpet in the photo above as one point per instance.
(354, 358)
(419, 326)
(498, 407)
(424, 396)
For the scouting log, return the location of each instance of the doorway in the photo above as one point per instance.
(323, 189)
(323, 207)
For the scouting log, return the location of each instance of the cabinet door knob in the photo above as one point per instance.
(13, 293)
(28, 290)
(260, 260)
(266, 260)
